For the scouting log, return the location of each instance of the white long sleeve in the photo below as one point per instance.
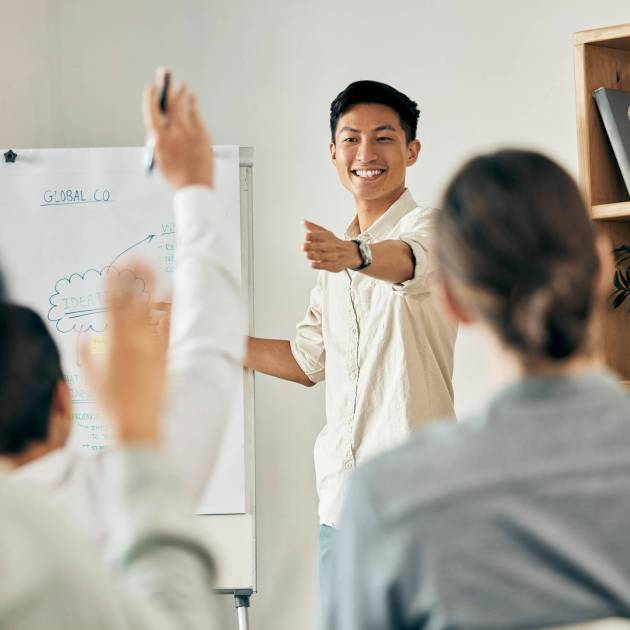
(207, 337)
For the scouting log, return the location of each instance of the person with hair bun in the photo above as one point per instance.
(517, 517)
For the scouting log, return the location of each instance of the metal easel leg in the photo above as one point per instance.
(241, 601)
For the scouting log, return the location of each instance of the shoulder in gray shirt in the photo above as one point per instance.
(516, 518)
(161, 577)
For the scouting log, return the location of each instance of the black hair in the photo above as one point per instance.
(375, 92)
(30, 368)
(514, 233)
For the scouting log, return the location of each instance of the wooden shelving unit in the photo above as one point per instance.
(602, 59)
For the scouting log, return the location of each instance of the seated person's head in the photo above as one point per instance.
(517, 253)
(35, 404)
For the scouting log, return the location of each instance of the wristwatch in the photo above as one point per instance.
(364, 251)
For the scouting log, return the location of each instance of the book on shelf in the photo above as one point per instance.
(614, 109)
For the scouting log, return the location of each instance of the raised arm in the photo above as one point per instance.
(207, 329)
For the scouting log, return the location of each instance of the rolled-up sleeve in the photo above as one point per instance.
(417, 232)
(308, 345)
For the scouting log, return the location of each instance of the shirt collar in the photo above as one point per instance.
(386, 222)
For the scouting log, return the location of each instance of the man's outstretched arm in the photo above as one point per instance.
(393, 260)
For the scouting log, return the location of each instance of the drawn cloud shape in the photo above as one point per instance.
(79, 302)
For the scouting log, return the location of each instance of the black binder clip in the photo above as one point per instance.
(9, 156)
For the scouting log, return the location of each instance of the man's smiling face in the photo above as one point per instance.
(371, 152)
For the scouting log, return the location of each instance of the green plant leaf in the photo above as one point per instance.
(619, 299)
(621, 279)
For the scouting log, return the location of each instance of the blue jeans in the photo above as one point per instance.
(327, 537)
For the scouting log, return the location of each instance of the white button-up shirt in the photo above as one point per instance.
(385, 349)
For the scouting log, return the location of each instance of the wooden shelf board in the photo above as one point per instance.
(605, 36)
(611, 211)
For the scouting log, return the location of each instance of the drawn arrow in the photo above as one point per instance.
(146, 239)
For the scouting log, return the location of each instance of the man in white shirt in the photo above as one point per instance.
(161, 576)
(206, 338)
(373, 328)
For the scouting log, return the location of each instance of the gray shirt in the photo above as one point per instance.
(50, 579)
(516, 518)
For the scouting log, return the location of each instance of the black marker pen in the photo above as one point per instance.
(163, 104)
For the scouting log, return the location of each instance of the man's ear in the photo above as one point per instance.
(333, 151)
(413, 151)
(451, 304)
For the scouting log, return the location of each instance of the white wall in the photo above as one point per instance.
(485, 73)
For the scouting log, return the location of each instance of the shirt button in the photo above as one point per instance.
(348, 465)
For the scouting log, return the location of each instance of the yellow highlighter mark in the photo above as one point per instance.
(98, 344)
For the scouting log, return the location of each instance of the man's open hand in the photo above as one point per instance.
(328, 252)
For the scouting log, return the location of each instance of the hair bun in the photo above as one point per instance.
(551, 317)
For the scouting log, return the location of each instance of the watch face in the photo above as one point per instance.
(366, 253)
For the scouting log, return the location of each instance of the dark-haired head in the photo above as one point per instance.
(517, 250)
(366, 92)
(31, 378)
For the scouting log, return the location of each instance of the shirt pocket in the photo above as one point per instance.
(369, 299)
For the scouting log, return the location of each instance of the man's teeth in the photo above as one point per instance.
(371, 173)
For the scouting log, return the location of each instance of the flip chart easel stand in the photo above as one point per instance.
(241, 601)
